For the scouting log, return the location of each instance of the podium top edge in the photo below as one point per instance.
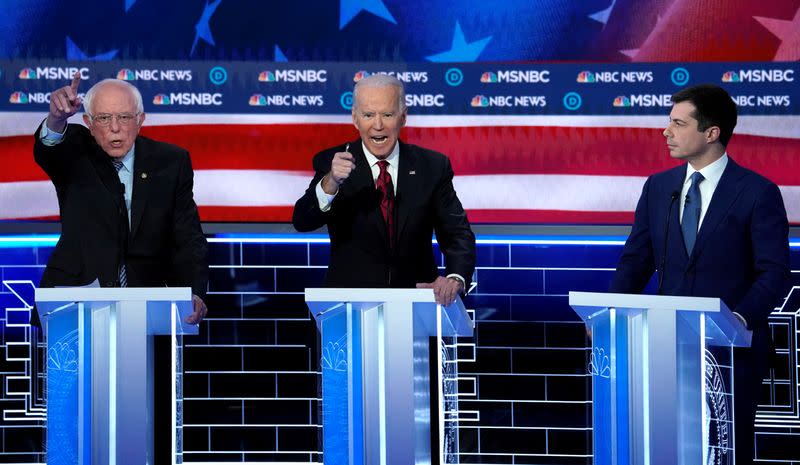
(603, 299)
(85, 294)
(331, 294)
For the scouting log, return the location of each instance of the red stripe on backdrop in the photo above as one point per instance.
(473, 150)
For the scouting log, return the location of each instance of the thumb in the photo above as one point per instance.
(424, 285)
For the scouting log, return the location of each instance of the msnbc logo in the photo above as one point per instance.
(479, 101)
(360, 75)
(266, 76)
(257, 100)
(731, 76)
(586, 77)
(27, 73)
(126, 75)
(18, 97)
(488, 77)
(161, 99)
(622, 101)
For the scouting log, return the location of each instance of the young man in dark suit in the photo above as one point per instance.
(712, 228)
(382, 199)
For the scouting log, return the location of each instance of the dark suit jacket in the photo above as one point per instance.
(166, 245)
(425, 202)
(741, 254)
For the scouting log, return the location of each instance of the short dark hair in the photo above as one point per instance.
(714, 107)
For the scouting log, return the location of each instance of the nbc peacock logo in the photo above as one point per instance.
(161, 99)
(489, 77)
(27, 73)
(18, 97)
(266, 76)
(479, 101)
(126, 75)
(622, 101)
(731, 76)
(586, 77)
(257, 100)
(360, 75)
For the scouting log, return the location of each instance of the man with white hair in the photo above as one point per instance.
(128, 216)
(382, 200)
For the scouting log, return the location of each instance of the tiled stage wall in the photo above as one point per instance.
(252, 375)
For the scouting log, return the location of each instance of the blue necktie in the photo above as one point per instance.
(123, 274)
(691, 212)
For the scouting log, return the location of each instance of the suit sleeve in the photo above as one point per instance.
(55, 160)
(453, 232)
(769, 233)
(307, 215)
(637, 263)
(190, 248)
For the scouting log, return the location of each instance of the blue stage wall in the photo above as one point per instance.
(252, 375)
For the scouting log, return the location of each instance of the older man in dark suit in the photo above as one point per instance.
(712, 228)
(128, 216)
(382, 199)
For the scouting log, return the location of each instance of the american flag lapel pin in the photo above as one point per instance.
(412, 172)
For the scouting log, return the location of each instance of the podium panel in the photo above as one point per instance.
(389, 377)
(99, 371)
(662, 372)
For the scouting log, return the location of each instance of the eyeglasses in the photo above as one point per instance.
(123, 119)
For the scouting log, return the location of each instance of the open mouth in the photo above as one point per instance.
(379, 139)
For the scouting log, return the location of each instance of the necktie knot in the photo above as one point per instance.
(696, 178)
(117, 164)
(383, 165)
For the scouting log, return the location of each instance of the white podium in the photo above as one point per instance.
(99, 371)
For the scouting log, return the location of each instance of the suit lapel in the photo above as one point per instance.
(142, 172)
(105, 171)
(676, 183)
(723, 198)
(407, 185)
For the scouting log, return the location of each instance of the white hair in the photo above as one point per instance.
(137, 96)
(378, 81)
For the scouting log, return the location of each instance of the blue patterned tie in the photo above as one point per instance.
(691, 212)
(123, 275)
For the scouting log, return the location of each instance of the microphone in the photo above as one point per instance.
(672, 198)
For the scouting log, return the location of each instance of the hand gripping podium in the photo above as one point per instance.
(662, 371)
(99, 387)
(380, 350)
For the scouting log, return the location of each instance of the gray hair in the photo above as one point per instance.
(137, 96)
(378, 81)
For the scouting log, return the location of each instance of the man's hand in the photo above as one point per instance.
(445, 290)
(342, 165)
(64, 102)
(199, 312)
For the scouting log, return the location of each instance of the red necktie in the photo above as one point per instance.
(386, 188)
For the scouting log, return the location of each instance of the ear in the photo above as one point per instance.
(141, 119)
(355, 120)
(87, 121)
(403, 117)
(712, 134)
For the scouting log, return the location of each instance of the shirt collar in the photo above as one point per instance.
(712, 172)
(392, 158)
(127, 160)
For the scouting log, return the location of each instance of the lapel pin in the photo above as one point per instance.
(412, 172)
(144, 175)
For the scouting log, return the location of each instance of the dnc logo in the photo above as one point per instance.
(257, 100)
(479, 101)
(18, 97)
(489, 77)
(586, 77)
(731, 76)
(622, 101)
(27, 73)
(266, 76)
(126, 75)
(161, 99)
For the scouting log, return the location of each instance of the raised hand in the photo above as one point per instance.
(64, 102)
(342, 165)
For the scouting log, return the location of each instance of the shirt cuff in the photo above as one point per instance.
(48, 137)
(460, 279)
(741, 318)
(324, 198)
